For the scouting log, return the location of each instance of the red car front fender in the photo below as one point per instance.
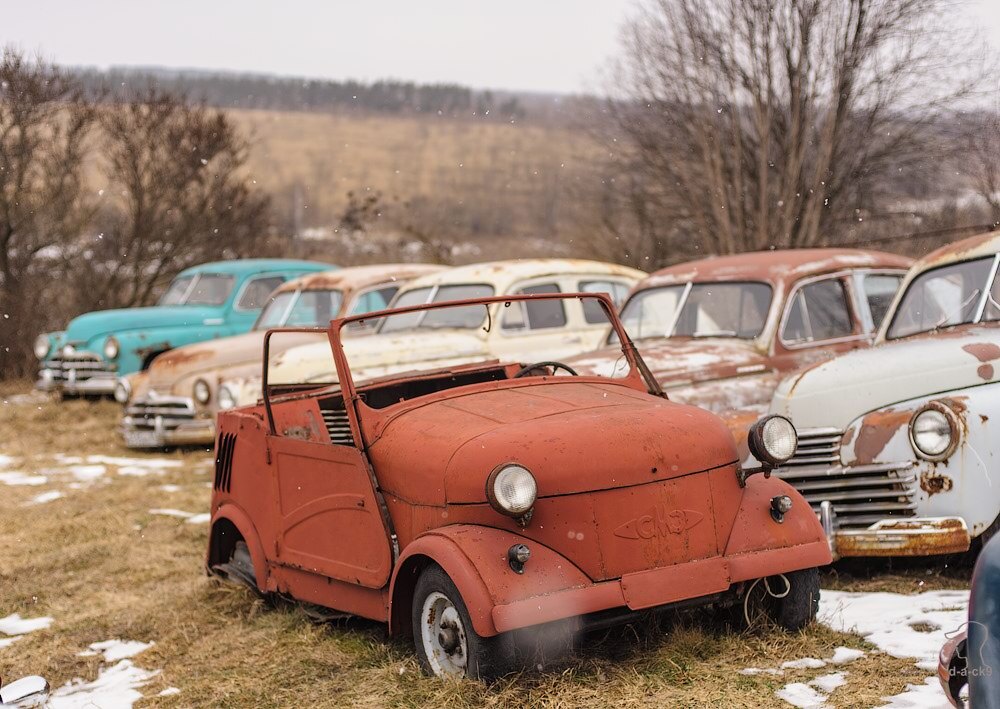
(475, 558)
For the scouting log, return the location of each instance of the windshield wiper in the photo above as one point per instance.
(962, 306)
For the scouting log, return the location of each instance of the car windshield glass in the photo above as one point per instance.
(706, 310)
(177, 290)
(943, 297)
(458, 318)
(311, 308)
(210, 289)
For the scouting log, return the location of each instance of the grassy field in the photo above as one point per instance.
(482, 177)
(104, 567)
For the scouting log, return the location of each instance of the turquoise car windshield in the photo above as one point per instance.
(200, 289)
(301, 309)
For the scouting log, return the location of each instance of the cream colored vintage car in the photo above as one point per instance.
(899, 444)
(533, 331)
(175, 400)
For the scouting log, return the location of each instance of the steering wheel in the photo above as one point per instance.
(523, 371)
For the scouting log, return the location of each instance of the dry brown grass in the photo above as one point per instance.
(505, 179)
(103, 567)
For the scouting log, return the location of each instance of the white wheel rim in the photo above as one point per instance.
(443, 636)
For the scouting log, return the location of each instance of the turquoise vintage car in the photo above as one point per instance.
(202, 303)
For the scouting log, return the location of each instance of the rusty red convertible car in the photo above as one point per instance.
(473, 506)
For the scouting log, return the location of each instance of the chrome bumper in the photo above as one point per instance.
(165, 421)
(914, 536)
(66, 381)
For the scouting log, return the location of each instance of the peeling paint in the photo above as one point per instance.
(877, 429)
(983, 351)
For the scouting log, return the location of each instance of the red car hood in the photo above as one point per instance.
(573, 436)
(680, 361)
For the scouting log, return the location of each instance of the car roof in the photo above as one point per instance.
(775, 266)
(504, 274)
(974, 247)
(353, 277)
(254, 265)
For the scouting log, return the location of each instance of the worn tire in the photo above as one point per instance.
(799, 608)
(484, 658)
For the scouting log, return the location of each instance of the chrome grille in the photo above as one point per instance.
(77, 367)
(171, 411)
(338, 426)
(860, 494)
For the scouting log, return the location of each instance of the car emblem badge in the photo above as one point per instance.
(659, 523)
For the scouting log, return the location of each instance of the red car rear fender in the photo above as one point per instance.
(475, 558)
(239, 519)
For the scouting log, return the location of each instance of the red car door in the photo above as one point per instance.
(329, 518)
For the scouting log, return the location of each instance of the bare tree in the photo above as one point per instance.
(756, 123)
(181, 195)
(45, 122)
(979, 151)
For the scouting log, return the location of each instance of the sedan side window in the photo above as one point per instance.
(592, 311)
(819, 311)
(256, 292)
(537, 314)
(879, 292)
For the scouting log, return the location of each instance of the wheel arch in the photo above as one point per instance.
(434, 548)
(230, 525)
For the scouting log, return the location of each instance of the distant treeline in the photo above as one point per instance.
(232, 90)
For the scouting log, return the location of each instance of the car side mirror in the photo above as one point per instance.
(31, 691)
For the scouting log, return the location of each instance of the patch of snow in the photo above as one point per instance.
(116, 687)
(114, 650)
(171, 513)
(169, 488)
(149, 463)
(86, 473)
(7, 642)
(843, 655)
(814, 693)
(6, 461)
(751, 671)
(189, 517)
(919, 696)
(887, 619)
(45, 497)
(16, 477)
(800, 694)
(828, 683)
(806, 663)
(14, 624)
(169, 692)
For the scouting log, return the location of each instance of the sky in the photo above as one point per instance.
(532, 45)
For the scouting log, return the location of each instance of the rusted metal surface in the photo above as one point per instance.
(923, 537)
(354, 278)
(724, 374)
(638, 497)
(782, 267)
(876, 430)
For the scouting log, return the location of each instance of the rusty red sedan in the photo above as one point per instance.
(484, 508)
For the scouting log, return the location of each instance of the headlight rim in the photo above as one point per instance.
(954, 426)
(492, 498)
(42, 338)
(111, 342)
(755, 441)
(208, 391)
(123, 382)
(230, 394)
